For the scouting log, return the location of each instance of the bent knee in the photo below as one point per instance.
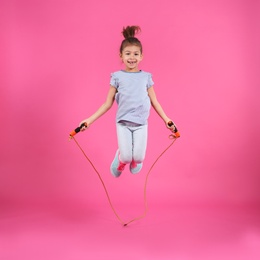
(125, 158)
(138, 159)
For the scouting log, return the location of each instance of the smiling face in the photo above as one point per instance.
(131, 57)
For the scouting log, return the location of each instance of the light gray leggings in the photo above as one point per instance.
(132, 141)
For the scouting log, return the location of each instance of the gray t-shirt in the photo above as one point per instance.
(132, 97)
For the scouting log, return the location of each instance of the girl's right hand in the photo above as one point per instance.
(85, 124)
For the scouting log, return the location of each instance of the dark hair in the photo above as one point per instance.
(129, 34)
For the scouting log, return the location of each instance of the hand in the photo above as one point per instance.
(84, 125)
(170, 125)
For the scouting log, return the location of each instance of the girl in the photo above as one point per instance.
(134, 93)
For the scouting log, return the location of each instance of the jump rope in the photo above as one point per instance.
(171, 136)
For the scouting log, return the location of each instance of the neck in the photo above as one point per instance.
(132, 70)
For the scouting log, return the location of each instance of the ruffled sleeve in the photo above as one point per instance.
(150, 82)
(114, 80)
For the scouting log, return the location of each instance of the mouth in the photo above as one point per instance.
(131, 62)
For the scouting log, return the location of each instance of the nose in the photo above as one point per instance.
(132, 55)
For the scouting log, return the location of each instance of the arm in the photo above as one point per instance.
(158, 108)
(103, 109)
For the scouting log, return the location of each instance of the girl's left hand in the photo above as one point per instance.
(172, 126)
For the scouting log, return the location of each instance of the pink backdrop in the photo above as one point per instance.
(56, 60)
(56, 57)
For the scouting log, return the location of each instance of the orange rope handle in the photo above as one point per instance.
(145, 186)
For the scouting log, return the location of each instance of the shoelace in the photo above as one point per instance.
(133, 164)
(121, 167)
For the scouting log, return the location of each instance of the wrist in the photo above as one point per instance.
(167, 120)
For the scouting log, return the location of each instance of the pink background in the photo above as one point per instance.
(56, 60)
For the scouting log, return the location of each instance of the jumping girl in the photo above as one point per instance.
(134, 93)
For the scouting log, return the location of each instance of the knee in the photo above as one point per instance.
(138, 159)
(125, 158)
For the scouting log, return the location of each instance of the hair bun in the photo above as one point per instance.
(130, 31)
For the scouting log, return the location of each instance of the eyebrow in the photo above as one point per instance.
(133, 51)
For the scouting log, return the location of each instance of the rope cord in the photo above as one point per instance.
(145, 185)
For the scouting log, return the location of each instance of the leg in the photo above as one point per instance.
(124, 153)
(125, 143)
(139, 148)
(140, 143)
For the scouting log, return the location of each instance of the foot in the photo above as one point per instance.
(135, 167)
(117, 167)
